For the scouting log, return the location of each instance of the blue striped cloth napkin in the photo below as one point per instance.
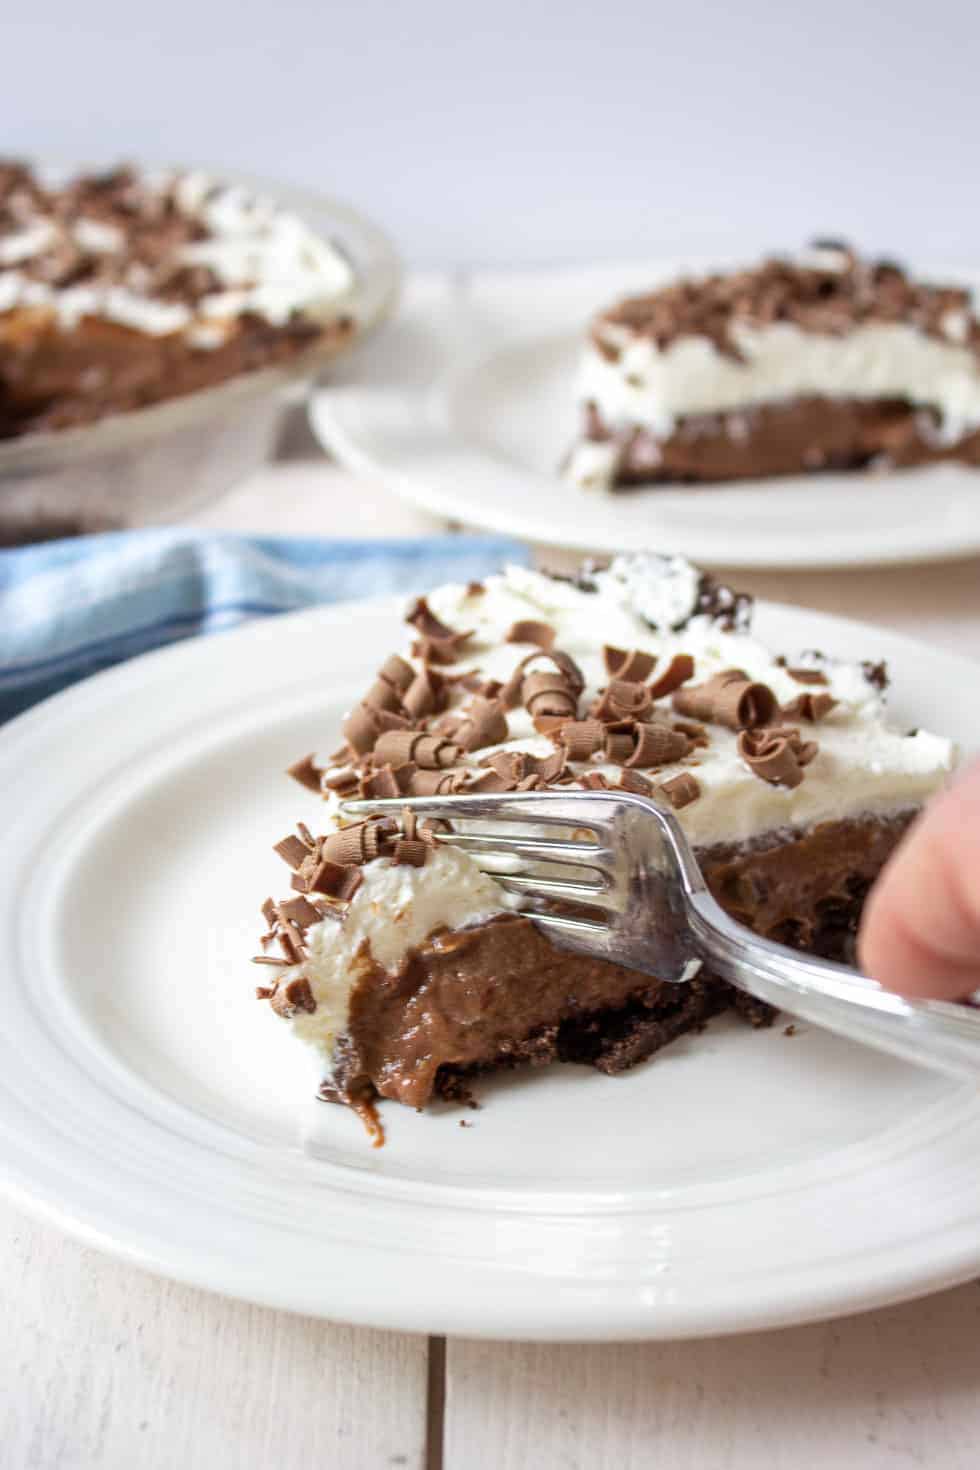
(70, 608)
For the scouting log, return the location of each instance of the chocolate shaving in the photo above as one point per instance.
(491, 783)
(730, 698)
(593, 781)
(383, 695)
(426, 694)
(366, 723)
(381, 784)
(410, 852)
(622, 700)
(580, 738)
(306, 773)
(326, 877)
(529, 631)
(632, 665)
(633, 782)
(428, 752)
(299, 911)
(437, 783)
(809, 706)
(397, 672)
(770, 755)
(876, 674)
(344, 783)
(264, 992)
(619, 742)
(438, 644)
(807, 676)
(294, 996)
(484, 723)
(680, 790)
(548, 694)
(677, 672)
(292, 850)
(658, 745)
(564, 665)
(270, 911)
(270, 959)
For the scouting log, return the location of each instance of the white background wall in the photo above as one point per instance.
(520, 132)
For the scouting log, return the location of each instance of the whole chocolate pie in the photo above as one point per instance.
(403, 963)
(123, 289)
(826, 362)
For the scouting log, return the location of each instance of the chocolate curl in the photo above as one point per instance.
(484, 723)
(437, 783)
(438, 644)
(677, 672)
(397, 672)
(731, 698)
(512, 692)
(622, 700)
(529, 631)
(306, 773)
(593, 781)
(410, 852)
(366, 724)
(294, 996)
(517, 765)
(770, 756)
(657, 745)
(619, 742)
(809, 706)
(380, 785)
(428, 752)
(680, 790)
(426, 694)
(580, 738)
(633, 665)
(808, 676)
(383, 695)
(548, 694)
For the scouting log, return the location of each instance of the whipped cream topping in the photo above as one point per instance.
(863, 767)
(392, 912)
(268, 261)
(637, 383)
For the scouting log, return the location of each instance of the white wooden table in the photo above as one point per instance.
(105, 1368)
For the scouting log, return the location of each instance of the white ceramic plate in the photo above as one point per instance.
(466, 406)
(150, 1106)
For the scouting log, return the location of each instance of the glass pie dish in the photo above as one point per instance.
(157, 463)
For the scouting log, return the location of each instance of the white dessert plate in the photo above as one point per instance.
(150, 1106)
(466, 406)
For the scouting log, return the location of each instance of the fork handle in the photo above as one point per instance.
(932, 1033)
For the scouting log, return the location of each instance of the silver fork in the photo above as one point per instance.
(617, 880)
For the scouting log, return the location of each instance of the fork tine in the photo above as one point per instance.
(537, 808)
(575, 892)
(580, 934)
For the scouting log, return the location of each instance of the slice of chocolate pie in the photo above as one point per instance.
(403, 962)
(123, 289)
(824, 362)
